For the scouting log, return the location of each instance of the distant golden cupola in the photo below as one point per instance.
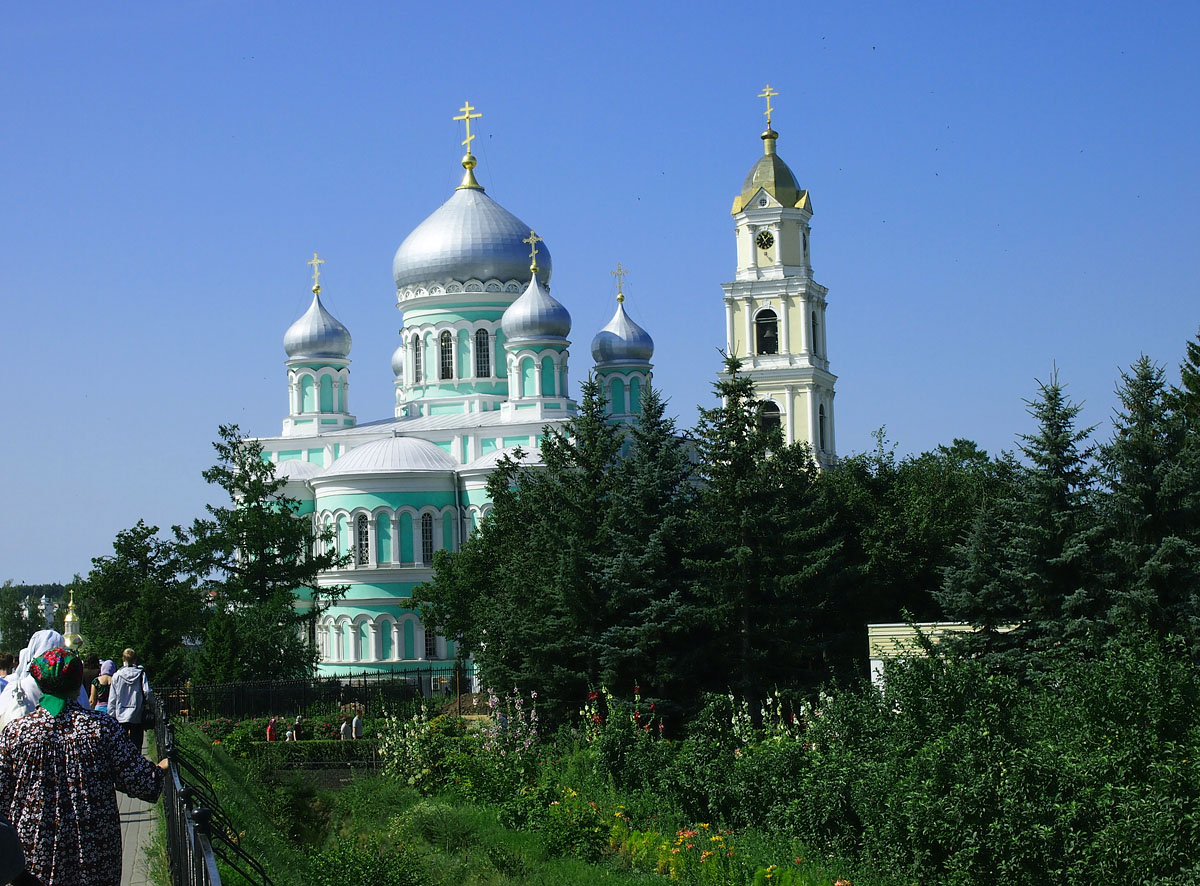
(772, 175)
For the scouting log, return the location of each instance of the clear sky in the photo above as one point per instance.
(997, 188)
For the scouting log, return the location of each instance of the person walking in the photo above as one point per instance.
(271, 730)
(101, 685)
(60, 768)
(127, 694)
(356, 725)
(345, 730)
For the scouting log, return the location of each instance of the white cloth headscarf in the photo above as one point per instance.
(22, 694)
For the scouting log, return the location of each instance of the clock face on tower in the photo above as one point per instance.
(764, 240)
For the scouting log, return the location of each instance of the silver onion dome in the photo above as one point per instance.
(469, 237)
(622, 341)
(536, 314)
(317, 334)
(398, 361)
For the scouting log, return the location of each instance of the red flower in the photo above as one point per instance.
(593, 695)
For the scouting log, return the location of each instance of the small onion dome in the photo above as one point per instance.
(398, 360)
(469, 237)
(535, 315)
(392, 455)
(317, 334)
(622, 341)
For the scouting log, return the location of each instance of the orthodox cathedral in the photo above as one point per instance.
(481, 368)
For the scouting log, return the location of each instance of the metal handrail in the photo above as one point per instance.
(194, 844)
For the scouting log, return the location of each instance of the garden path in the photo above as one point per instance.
(137, 828)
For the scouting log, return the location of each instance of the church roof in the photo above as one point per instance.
(469, 237)
(488, 462)
(295, 469)
(392, 455)
(771, 174)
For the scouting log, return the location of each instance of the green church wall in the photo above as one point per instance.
(290, 455)
(410, 640)
(383, 539)
(487, 444)
(372, 500)
(316, 457)
(326, 394)
(516, 441)
(308, 397)
(406, 538)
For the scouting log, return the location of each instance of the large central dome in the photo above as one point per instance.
(469, 237)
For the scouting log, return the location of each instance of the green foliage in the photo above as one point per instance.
(20, 613)
(251, 558)
(365, 864)
(138, 598)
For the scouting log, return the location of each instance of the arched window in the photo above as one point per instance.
(446, 355)
(418, 360)
(483, 362)
(430, 645)
(426, 539)
(768, 416)
(362, 550)
(821, 427)
(816, 339)
(766, 332)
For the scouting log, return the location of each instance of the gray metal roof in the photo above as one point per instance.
(536, 314)
(317, 334)
(622, 341)
(469, 237)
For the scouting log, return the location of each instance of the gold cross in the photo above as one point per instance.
(620, 273)
(466, 116)
(768, 93)
(533, 240)
(316, 266)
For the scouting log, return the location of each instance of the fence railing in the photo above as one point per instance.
(372, 694)
(198, 832)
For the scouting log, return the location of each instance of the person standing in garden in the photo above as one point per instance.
(60, 768)
(127, 696)
(356, 725)
(346, 729)
(271, 730)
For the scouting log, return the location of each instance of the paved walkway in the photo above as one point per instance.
(138, 821)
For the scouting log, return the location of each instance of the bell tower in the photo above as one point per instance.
(774, 309)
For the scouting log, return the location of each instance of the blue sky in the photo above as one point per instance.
(997, 188)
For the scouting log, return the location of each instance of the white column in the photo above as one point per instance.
(785, 323)
(829, 441)
(789, 429)
(748, 306)
(376, 653)
(397, 630)
(776, 232)
(814, 430)
(372, 542)
(805, 343)
(537, 376)
(492, 361)
(346, 394)
(419, 639)
(438, 534)
(395, 526)
(728, 324)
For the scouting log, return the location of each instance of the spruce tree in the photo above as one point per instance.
(1033, 550)
(1151, 511)
(648, 640)
(766, 559)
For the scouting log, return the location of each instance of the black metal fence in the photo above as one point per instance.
(374, 694)
(198, 832)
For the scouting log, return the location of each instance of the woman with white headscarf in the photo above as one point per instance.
(22, 695)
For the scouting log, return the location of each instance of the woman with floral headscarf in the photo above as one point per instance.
(60, 768)
(21, 694)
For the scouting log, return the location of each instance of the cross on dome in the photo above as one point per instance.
(316, 266)
(533, 240)
(466, 116)
(620, 273)
(768, 93)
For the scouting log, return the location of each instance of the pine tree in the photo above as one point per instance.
(254, 559)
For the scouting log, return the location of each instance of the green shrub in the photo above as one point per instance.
(444, 826)
(365, 865)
